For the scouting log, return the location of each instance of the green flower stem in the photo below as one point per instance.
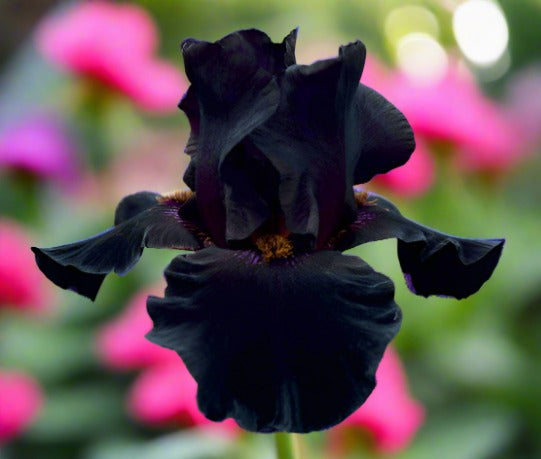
(287, 446)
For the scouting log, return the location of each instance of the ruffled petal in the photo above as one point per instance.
(433, 263)
(190, 106)
(134, 204)
(287, 345)
(305, 140)
(83, 265)
(235, 86)
(381, 138)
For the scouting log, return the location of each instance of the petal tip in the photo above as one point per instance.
(186, 44)
(67, 277)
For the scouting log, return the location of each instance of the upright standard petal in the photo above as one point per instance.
(380, 138)
(83, 265)
(433, 263)
(305, 141)
(287, 345)
(234, 85)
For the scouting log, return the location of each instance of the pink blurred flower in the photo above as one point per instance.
(413, 178)
(454, 110)
(165, 392)
(21, 283)
(122, 344)
(115, 45)
(20, 401)
(417, 175)
(38, 145)
(390, 414)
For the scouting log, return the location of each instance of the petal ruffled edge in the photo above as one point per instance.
(142, 220)
(305, 141)
(381, 138)
(433, 263)
(288, 345)
(234, 89)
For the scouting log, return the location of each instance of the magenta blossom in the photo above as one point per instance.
(38, 145)
(20, 401)
(165, 392)
(21, 284)
(122, 344)
(113, 44)
(453, 109)
(413, 178)
(390, 414)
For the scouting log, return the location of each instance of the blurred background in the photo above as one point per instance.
(88, 95)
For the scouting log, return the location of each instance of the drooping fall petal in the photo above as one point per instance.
(83, 265)
(433, 263)
(288, 345)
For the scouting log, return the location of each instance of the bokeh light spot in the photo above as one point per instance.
(481, 31)
(422, 58)
(408, 19)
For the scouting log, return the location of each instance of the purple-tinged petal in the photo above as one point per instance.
(83, 265)
(287, 345)
(433, 263)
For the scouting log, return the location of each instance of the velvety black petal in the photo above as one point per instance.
(288, 45)
(305, 140)
(234, 82)
(82, 266)
(246, 172)
(190, 106)
(288, 345)
(134, 204)
(379, 136)
(433, 263)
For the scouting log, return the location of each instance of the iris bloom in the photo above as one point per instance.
(281, 331)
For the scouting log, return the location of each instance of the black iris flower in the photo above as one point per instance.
(280, 329)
